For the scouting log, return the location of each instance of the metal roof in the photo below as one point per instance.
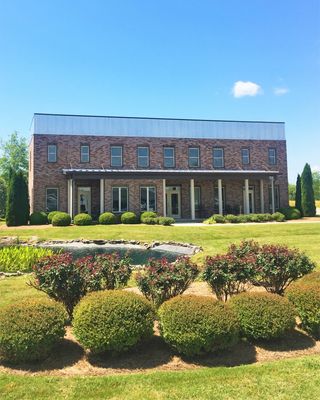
(60, 124)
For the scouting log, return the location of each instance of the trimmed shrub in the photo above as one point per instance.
(82, 219)
(61, 219)
(233, 219)
(112, 320)
(150, 221)
(160, 280)
(306, 299)
(263, 316)
(290, 212)
(197, 324)
(29, 329)
(38, 218)
(129, 218)
(147, 215)
(166, 221)
(107, 218)
(244, 218)
(278, 216)
(218, 218)
(51, 215)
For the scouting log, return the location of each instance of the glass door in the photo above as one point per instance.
(84, 199)
(173, 199)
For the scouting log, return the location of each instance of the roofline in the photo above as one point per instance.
(158, 118)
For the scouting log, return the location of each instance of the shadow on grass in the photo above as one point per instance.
(293, 341)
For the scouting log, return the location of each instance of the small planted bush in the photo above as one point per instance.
(29, 329)
(160, 280)
(278, 217)
(166, 221)
(263, 316)
(194, 325)
(61, 219)
(147, 215)
(215, 219)
(112, 320)
(150, 221)
(232, 219)
(21, 258)
(107, 218)
(38, 218)
(290, 212)
(82, 219)
(129, 218)
(51, 215)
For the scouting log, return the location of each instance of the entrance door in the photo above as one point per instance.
(84, 199)
(173, 199)
(251, 200)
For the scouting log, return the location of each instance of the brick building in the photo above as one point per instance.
(183, 168)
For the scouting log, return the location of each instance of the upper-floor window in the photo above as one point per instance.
(52, 153)
(116, 156)
(194, 157)
(84, 153)
(51, 199)
(143, 156)
(168, 157)
(245, 156)
(272, 156)
(218, 157)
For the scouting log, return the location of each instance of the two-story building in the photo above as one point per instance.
(184, 168)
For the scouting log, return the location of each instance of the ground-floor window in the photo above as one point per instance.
(51, 199)
(197, 198)
(119, 199)
(148, 198)
(276, 197)
(216, 199)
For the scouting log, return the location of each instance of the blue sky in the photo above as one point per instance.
(243, 60)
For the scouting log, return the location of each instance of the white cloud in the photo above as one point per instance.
(280, 91)
(241, 88)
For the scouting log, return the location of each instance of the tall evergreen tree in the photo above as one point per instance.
(298, 193)
(307, 196)
(3, 196)
(17, 210)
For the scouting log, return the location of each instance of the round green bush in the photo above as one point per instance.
(61, 219)
(197, 324)
(278, 217)
(129, 218)
(38, 218)
(147, 215)
(107, 218)
(290, 212)
(51, 215)
(29, 329)
(82, 219)
(166, 221)
(112, 320)
(306, 299)
(150, 221)
(263, 316)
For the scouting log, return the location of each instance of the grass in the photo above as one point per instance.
(290, 379)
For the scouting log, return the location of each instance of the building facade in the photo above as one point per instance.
(186, 169)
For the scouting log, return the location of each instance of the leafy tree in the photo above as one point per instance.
(298, 194)
(17, 209)
(3, 196)
(292, 191)
(316, 184)
(14, 156)
(307, 195)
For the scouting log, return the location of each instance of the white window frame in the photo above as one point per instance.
(87, 154)
(148, 198)
(52, 153)
(272, 158)
(147, 157)
(194, 157)
(119, 189)
(120, 156)
(172, 158)
(57, 190)
(221, 158)
(245, 158)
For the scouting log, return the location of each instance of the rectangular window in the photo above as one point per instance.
(51, 199)
(245, 156)
(143, 157)
(116, 156)
(218, 157)
(197, 198)
(119, 199)
(52, 153)
(84, 153)
(194, 157)
(276, 198)
(168, 157)
(148, 198)
(272, 156)
(216, 199)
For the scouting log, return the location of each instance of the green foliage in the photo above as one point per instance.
(38, 218)
(307, 195)
(112, 320)
(129, 218)
(305, 296)
(82, 219)
(29, 329)
(3, 197)
(61, 219)
(298, 198)
(263, 316)
(215, 219)
(17, 208)
(107, 218)
(22, 258)
(278, 217)
(51, 215)
(14, 156)
(150, 221)
(160, 280)
(290, 212)
(147, 215)
(232, 219)
(292, 191)
(166, 221)
(197, 324)
(316, 184)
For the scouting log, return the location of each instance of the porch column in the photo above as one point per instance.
(273, 208)
(70, 197)
(101, 196)
(261, 196)
(164, 197)
(192, 202)
(220, 201)
(246, 197)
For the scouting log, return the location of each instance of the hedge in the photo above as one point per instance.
(51, 215)
(61, 219)
(38, 218)
(290, 212)
(129, 218)
(82, 219)
(107, 218)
